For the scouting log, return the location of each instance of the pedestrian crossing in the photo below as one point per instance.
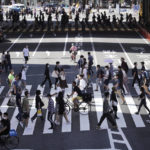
(85, 121)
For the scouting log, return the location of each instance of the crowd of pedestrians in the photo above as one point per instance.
(103, 76)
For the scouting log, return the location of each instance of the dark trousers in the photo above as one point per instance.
(19, 115)
(49, 80)
(115, 109)
(56, 81)
(50, 118)
(121, 86)
(35, 115)
(136, 78)
(143, 103)
(109, 117)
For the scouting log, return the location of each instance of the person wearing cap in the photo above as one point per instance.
(25, 108)
(38, 104)
(51, 111)
(6, 125)
(135, 75)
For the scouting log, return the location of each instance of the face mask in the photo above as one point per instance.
(5, 118)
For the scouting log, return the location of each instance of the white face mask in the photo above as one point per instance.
(5, 118)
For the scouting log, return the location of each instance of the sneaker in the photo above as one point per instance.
(117, 117)
(114, 127)
(96, 90)
(137, 113)
(51, 128)
(98, 128)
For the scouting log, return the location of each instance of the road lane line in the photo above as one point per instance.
(93, 49)
(123, 49)
(31, 125)
(66, 127)
(65, 46)
(1, 89)
(14, 43)
(14, 121)
(121, 121)
(38, 45)
(99, 106)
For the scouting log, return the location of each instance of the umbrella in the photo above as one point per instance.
(108, 60)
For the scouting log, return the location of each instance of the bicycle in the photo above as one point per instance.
(11, 140)
(83, 106)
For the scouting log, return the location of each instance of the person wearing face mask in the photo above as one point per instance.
(6, 125)
(47, 76)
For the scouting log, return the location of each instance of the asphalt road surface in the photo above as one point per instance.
(81, 133)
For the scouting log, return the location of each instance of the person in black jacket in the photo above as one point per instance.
(135, 75)
(142, 96)
(124, 65)
(120, 78)
(47, 76)
(114, 102)
(39, 104)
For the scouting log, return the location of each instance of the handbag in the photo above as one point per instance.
(54, 74)
(39, 113)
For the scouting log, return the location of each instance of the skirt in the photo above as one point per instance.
(63, 84)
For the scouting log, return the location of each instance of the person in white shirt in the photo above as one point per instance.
(85, 73)
(26, 54)
(82, 84)
(23, 77)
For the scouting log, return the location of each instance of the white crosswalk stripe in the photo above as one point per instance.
(14, 121)
(30, 129)
(66, 127)
(1, 89)
(132, 108)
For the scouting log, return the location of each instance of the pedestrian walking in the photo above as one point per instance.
(51, 111)
(39, 104)
(3, 61)
(8, 61)
(18, 104)
(26, 54)
(135, 75)
(23, 77)
(63, 82)
(114, 102)
(25, 109)
(56, 73)
(124, 65)
(99, 76)
(47, 76)
(142, 97)
(61, 108)
(106, 112)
